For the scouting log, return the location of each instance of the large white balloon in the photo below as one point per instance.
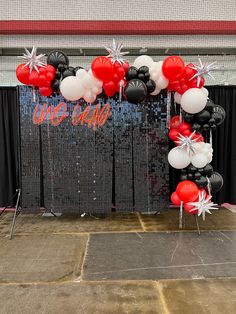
(71, 88)
(143, 60)
(199, 160)
(205, 91)
(193, 100)
(81, 73)
(156, 67)
(178, 158)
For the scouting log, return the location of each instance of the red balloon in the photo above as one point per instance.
(34, 78)
(45, 91)
(187, 191)
(121, 72)
(50, 76)
(175, 122)
(194, 83)
(188, 209)
(175, 199)
(50, 68)
(109, 88)
(42, 80)
(116, 77)
(42, 70)
(173, 133)
(47, 83)
(184, 126)
(173, 67)
(186, 132)
(102, 68)
(23, 73)
(198, 137)
(188, 72)
(126, 66)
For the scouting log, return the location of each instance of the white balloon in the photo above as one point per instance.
(81, 73)
(162, 82)
(205, 91)
(72, 88)
(156, 91)
(199, 160)
(88, 81)
(143, 60)
(155, 76)
(95, 90)
(193, 100)
(209, 157)
(178, 158)
(177, 97)
(89, 96)
(156, 67)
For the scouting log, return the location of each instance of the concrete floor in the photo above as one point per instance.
(126, 263)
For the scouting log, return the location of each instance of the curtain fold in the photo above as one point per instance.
(9, 144)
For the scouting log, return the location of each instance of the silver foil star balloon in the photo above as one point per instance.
(32, 60)
(203, 69)
(115, 52)
(187, 142)
(203, 205)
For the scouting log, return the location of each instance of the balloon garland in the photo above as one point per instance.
(112, 74)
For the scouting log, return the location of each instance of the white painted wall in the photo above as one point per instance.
(118, 10)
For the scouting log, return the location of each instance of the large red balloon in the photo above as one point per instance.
(23, 73)
(102, 68)
(45, 91)
(175, 199)
(173, 67)
(109, 88)
(187, 191)
(188, 72)
(184, 126)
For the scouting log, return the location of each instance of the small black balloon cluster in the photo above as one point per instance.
(202, 177)
(209, 118)
(139, 84)
(60, 61)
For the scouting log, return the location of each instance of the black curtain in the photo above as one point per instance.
(224, 142)
(9, 145)
(224, 145)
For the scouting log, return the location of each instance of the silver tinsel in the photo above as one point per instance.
(203, 69)
(32, 60)
(203, 205)
(115, 52)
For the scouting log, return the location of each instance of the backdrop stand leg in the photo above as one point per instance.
(181, 216)
(16, 212)
(197, 224)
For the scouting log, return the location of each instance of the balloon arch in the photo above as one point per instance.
(112, 74)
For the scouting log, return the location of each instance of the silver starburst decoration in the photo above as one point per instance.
(115, 52)
(187, 142)
(203, 69)
(32, 60)
(203, 205)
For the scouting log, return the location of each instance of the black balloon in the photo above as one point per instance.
(212, 121)
(58, 75)
(202, 182)
(190, 176)
(208, 170)
(135, 91)
(216, 182)
(209, 105)
(151, 85)
(131, 74)
(72, 69)
(141, 76)
(206, 127)
(144, 69)
(197, 175)
(77, 68)
(188, 117)
(191, 169)
(57, 57)
(183, 177)
(213, 127)
(61, 67)
(201, 170)
(55, 85)
(67, 73)
(196, 127)
(203, 116)
(147, 77)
